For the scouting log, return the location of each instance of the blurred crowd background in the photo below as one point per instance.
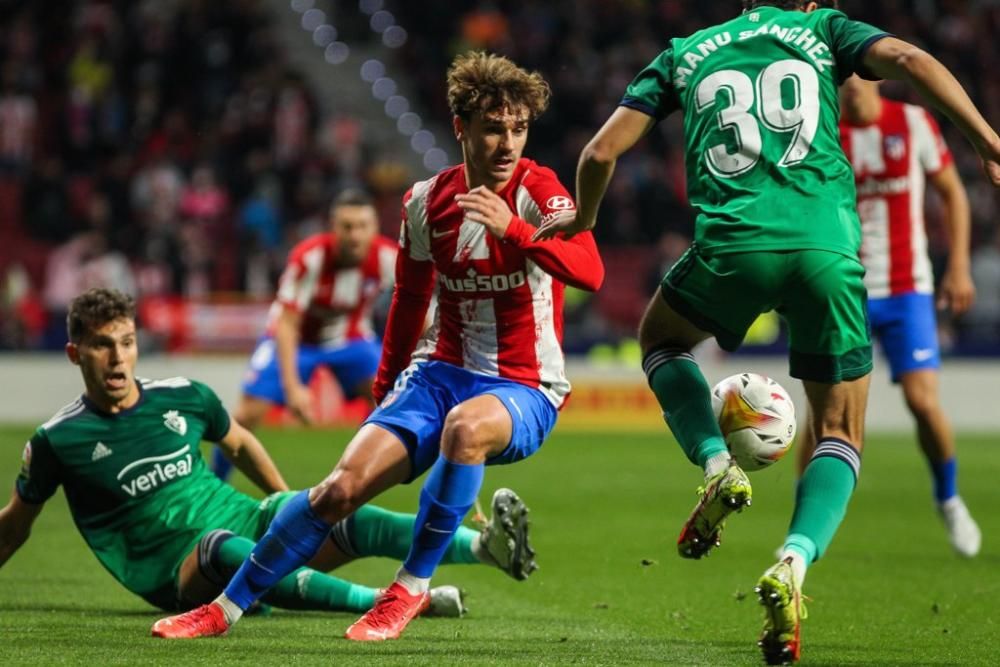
(176, 149)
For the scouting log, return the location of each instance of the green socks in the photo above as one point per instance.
(822, 496)
(303, 588)
(686, 400)
(373, 531)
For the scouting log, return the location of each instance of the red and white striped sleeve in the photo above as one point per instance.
(387, 251)
(932, 151)
(299, 280)
(411, 296)
(575, 262)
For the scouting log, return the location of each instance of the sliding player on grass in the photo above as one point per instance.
(481, 387)
(777, 229)
(127, 454)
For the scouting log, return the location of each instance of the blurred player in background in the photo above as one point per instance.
(481, 387)
(894, 149)
(127, 454)
(777, 229)
(321, 316)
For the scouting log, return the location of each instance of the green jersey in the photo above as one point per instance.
(765, 169)
(137, 486)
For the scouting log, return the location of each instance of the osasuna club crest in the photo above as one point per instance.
(173, 420)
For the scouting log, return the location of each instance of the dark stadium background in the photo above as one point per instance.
(177, 149)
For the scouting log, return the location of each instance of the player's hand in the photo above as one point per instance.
(567, 223)
(957, 291)
(484, 206)
(990, 155)
(298, 400)
(992, 168)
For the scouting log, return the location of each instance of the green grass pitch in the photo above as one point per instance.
(606, 510)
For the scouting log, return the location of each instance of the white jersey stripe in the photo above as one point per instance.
(552, 367)
(165, 383)
(416, 241)
(527, 208)
(479, 335)
(347, 288)
(471, 242)
(921, 149)
(66, 412)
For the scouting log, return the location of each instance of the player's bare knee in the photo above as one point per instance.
(247, 417)
(335, 497)
(463, 439)
(921, 403)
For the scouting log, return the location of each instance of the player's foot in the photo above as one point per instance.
(208, 620)
(783, 616)
(963, 532)
(723, 494)
(505, 536)
(446, 601)
(393, 610)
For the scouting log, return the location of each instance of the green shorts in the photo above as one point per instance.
(820, 295)
(250, 521)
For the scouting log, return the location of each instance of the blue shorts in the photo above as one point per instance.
(352, 364)
(906, 327)
(424, 393)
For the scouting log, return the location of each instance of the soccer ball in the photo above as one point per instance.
(757, 418)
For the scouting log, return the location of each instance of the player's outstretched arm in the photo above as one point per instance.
(892, 58)
(15, 525)
(298, 399)
(593, 172)
(245, 451)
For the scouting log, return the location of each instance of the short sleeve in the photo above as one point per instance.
(932, 151)
(850, 41)
(40, 470)
(387, 263)
(299, 280)
(652, 90)
(414, 236)
(217, 421)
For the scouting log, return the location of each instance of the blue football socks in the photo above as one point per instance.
(945, 474)
(448, 494)
(221, 466)
(293, 538)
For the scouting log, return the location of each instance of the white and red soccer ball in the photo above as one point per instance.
(757, 418)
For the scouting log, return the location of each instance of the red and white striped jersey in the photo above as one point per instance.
(499, 301)
(891, 159)
(335, 302)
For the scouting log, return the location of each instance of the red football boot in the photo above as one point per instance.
(208, 620)
(393, 610)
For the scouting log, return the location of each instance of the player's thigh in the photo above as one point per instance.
(824, 302)
(251, 410)
(907, 325)
(837, 410)
(475, 429)
(662, 326)
(354, 365)
(375, 460)
(721, 295)
(415, 410)
(531, 417)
